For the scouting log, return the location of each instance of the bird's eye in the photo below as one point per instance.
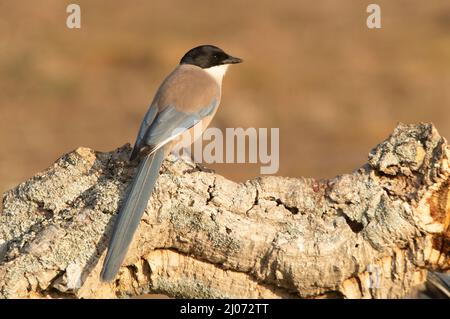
(216, 56)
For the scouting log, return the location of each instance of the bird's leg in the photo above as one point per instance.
(182, 157)
(199, 168)
(189, 159)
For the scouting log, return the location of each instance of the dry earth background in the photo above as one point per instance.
(334, 88)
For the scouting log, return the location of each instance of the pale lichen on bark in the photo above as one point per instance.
(373, 233)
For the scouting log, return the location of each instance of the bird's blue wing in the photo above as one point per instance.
(146, 123)
(171, 122)
(159, 128)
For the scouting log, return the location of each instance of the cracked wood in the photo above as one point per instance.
(373, 233)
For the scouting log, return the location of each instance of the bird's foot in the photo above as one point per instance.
(199, 168)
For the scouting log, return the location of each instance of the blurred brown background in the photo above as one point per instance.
(312, 68)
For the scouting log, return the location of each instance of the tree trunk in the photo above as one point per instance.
(371, 234)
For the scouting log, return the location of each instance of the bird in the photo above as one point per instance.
(186, 100)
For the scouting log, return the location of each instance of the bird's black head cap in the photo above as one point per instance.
(206, 56)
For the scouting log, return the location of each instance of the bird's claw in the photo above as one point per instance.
(199, 168)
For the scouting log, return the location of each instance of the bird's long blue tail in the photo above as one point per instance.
(131, 212)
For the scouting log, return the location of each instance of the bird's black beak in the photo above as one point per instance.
(232, 60)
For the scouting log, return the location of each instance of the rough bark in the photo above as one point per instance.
(373, 233)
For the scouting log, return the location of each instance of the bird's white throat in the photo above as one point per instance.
(217, 72)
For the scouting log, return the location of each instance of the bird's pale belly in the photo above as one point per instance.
(191, 134)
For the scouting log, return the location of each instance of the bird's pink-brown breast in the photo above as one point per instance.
(189, 88)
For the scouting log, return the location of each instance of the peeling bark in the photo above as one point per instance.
(371, 234)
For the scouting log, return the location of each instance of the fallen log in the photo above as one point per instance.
(373, 233)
